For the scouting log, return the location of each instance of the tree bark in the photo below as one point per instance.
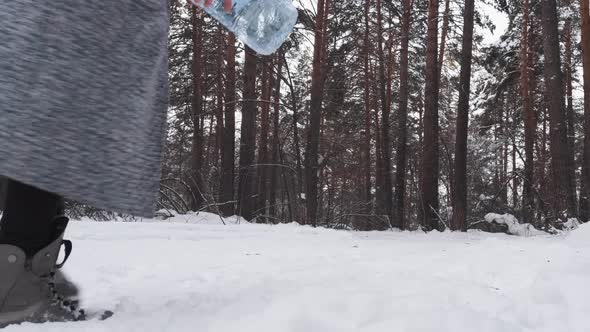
(276, 139)
(229, 137)
(563, 186)
(367, 134)
(384, 206)
(430, 163)
(295, 127)
(263, 158)
(402, 130)
(315, 110)
(219, 115)
(585, 192)
(197, 149)
(247, 173)
(460, 187)
(515, 182)
(530, 118)
(569, 73)
(443, 39)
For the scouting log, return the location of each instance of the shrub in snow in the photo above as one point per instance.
(571, 224)
(489, 227)
(370, 222)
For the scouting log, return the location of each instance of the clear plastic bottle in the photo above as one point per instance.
(261, 24)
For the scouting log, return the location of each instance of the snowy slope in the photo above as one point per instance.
(199, 275)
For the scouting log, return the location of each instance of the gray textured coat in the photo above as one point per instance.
(83, 98)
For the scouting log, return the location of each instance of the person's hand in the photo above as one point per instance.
(227, 4)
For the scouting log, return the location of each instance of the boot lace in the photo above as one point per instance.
(69, 306)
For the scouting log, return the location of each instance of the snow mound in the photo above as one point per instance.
(581, 234)
(514, 227)
(199, 218)
(571, 224)
(191, 276)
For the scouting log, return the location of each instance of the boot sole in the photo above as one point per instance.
(11, 318)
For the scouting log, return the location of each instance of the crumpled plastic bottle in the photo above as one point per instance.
(263, 25)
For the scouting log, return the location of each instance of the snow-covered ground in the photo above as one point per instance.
(195, 274)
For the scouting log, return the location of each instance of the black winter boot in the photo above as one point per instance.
(30, 288)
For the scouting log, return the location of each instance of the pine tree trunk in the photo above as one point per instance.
(384, 206)
(443, 39)
(460, 187)
(276, 139)
(366, 146)
(219, 125)
(505, 161)
(430, 162)
(315, 110)
(530, 121)
(295, 128)
(515, 183)
(569, 73)
(229, 137)
(585, 192)
(402, 130)
(247, 173)
(563, 186)
(378, 142)
(544, 185)
(197, 110)
(263, 160)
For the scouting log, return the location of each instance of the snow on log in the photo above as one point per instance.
(514, 227)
